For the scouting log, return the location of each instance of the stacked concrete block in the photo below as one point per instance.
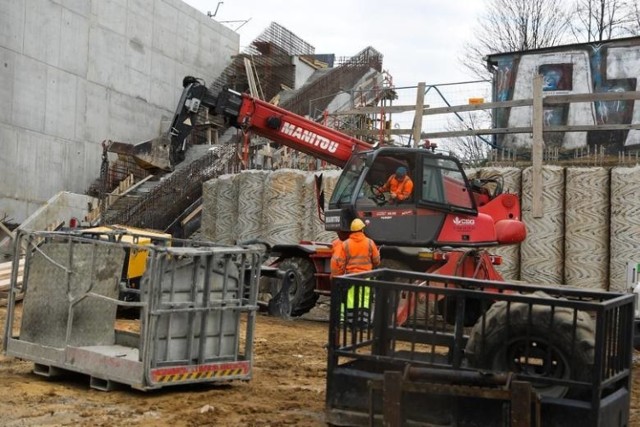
(585, 238)
(625, 224)
(586, 228)
(226, 210)
(542, 251)
(209, 209)
(312, 226)
(511, 183)
(250, 190)
(329, 180)
(283, 214)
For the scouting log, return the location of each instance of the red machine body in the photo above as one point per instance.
(446, 210)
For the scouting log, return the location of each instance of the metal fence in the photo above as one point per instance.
(470, 338)
(195, 316)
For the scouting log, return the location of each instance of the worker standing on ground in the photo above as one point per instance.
(399, 185)
(356, 254)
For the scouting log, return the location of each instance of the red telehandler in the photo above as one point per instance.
(482, 352)
(441, 229)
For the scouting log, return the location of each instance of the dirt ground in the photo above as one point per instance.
(288, 388)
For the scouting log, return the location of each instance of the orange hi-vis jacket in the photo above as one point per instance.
(402, 189)
(356, 254)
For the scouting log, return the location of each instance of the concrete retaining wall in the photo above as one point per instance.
(74, 73)
(589, 230)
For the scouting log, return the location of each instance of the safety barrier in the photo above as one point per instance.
(197, 305)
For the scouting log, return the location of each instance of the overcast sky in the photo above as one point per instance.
(421, 40)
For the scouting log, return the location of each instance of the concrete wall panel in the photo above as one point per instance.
(27, 154)
(7, 75)
(42, 31)
(60, 112)
(81, 7)
(9, 141)
(91, 71)
(140, 29)
(12, 24)
(165, 16)
(30, 85)
(75, 49)
(141, 7)
(163, 69)
(76, 164)
(111, 14)
(106, 56)
(128, 119)
(94, 120)
(164, 40)
(188, 28)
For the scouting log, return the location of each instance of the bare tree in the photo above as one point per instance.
(598, 20)
(514, 25)
(633, 28)
(471, 150)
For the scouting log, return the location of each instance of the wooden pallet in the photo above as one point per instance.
(5, 276)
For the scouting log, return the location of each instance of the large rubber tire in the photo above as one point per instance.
(571, 358)
(302, 295)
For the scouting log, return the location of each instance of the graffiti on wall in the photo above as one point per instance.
(611, 66)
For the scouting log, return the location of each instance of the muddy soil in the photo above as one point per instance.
(287, 389)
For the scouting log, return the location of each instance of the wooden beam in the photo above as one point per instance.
(376, 110)
(591, 97)
(192, 215)
(537, 205)
(476, 107)
(417, 118)
(527, 129)
(547, 100)
(8, 232)
(376, 132)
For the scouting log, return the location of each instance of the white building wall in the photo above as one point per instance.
(76, 72)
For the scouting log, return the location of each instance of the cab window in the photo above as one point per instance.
(443, 183)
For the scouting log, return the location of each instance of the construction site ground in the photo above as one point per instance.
(288, 388)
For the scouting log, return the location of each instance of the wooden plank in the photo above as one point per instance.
(192, 215)
(591, 97)
(476, 107)
(376, 110)
(537, 206)
(9, 264)
(528, 129)
(547, 100)
(5, 284)
(4, 298)
(417, 118)
(8, 232)
(6, 274)
(112, 198)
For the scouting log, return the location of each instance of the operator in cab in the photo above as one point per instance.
(399, 185)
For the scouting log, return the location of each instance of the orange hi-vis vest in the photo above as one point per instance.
(402, 189)
(356, 254)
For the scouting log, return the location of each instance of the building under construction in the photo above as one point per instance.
(278, 67)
